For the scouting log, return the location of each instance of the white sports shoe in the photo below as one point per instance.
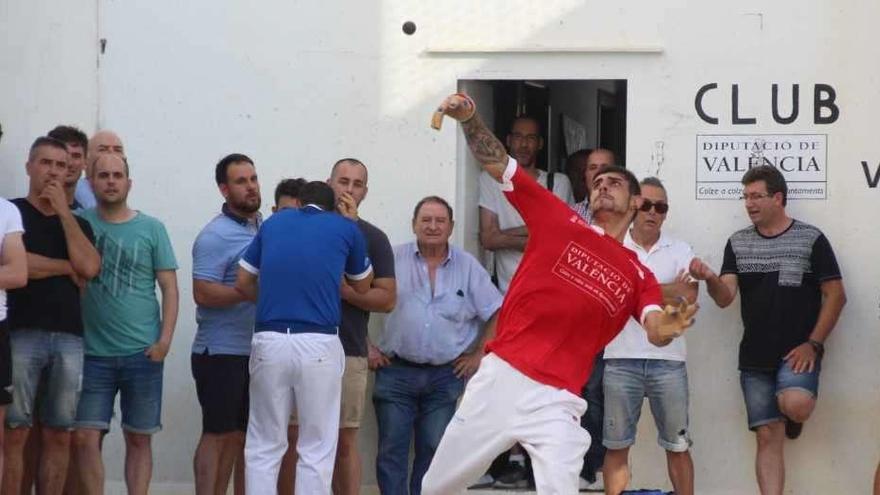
(485, 481)
(596, 486)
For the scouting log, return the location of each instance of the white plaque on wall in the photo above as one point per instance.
(722, 159)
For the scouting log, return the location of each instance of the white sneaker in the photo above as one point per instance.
(596, 486)
(485, 481)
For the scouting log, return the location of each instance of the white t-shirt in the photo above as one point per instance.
(491, 198)
(666, 259)
(10, 223)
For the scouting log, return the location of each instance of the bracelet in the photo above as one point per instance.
(817, 346)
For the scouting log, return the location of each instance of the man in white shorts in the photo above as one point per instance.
(574, 290)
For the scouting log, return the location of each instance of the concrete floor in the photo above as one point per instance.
(375, 491)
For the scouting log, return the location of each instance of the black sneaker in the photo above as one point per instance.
(793, 429)
(515, 475)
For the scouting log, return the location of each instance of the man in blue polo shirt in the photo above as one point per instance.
(294, 269)
(222, 345)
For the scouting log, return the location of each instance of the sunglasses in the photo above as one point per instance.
(659, 207)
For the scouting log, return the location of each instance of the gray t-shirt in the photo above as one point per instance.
(353, 331)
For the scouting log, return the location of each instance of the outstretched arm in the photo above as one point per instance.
(487, 149)
(722, 288)
(682, 287)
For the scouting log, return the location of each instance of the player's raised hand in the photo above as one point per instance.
(459, 106)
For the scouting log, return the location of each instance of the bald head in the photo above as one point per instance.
(349, 176)
(109, 161)
(103, 142)
(106, 141)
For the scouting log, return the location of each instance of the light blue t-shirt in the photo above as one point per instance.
(435, 328)
(300, 256)
(84, 195)
(120, 310)
(216, 252)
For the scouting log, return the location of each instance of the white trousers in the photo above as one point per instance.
(307, 367)
(501, 407)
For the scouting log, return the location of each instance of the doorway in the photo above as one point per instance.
(574, 115)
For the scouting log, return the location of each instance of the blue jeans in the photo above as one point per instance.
(761, 390)
(664, 382)
(592, 420)
(137, 378)
(409, 399)
(59, 356)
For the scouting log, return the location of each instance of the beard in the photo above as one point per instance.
(246, 205)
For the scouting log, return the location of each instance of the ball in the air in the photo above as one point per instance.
(409, 27)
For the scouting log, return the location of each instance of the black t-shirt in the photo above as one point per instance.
(50, 303)
(779, 279)
(353, 331)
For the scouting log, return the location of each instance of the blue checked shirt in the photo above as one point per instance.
(437, 328)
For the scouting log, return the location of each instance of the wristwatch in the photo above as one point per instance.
(817, 346)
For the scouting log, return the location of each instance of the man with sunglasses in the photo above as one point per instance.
(635, 368)
(792, 295)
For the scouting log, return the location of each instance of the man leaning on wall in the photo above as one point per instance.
(792, 295)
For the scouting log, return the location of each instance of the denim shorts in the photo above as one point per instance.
(58, 356)
(137, 378)
(761, 389)
(627, 383)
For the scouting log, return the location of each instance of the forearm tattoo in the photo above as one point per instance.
(483, 144)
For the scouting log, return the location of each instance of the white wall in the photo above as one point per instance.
(297, 85)
(48, 75)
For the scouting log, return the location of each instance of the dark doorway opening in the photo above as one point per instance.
(574, 114)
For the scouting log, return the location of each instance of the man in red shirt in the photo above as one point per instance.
(572, 293)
